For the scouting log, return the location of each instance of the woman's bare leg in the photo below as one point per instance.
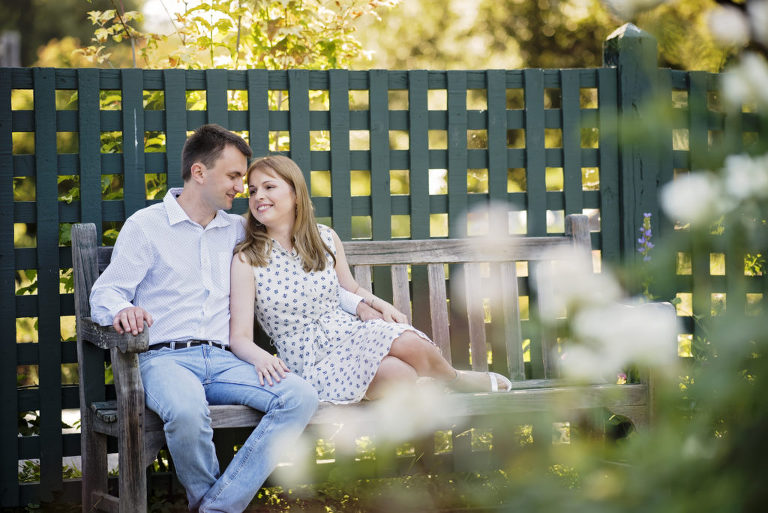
(422, 355)
(391, 371)
(426, 359)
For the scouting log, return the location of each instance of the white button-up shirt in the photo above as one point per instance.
(177, 271)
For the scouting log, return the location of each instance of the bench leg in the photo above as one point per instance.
(94, 465)
(130, 405)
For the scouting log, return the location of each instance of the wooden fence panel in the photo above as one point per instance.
(89, 135)
(571, 136)
(418, 186)
(175, 100)
(47, 224)
(341, 195)
(132, 114)
(535, 158)
(8, 347)
(298, 93)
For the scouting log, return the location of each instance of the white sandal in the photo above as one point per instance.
(499, 383)
(497, 379)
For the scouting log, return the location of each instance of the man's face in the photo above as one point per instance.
(224, 180)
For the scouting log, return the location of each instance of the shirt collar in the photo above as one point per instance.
(177, 215)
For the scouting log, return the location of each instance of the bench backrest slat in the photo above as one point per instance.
(104, 256)
(452, 251)
(401, 292)
(544, 296)
(438, 306)
(510, 311)
(363, 276)
(475, 316)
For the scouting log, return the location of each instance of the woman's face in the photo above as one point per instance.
(272, 200)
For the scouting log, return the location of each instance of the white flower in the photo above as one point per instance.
(613, 336)
(568, 281)
(411, 411)
(588, 364)
(729, 26)
(746, 82)
(643, 333)
(296, 457)
(693, 198)
(758, 15)
(746, 176)
(627, 9)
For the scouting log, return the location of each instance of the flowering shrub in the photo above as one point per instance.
(645, 238)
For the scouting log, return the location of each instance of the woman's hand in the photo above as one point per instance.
(269, 367)
(366, 313)
(388, 312)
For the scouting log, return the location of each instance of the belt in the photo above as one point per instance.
(182, 344)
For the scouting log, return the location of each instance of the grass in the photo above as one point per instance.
(418, 493)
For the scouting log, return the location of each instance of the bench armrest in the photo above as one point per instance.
(106, 337)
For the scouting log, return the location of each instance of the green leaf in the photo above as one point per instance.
(224, 25)
(65, 234)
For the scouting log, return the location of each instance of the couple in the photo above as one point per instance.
(173, 269)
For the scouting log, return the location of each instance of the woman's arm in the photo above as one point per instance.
(346, 280)
(241, 309)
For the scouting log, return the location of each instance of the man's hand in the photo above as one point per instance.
(366, 313)
(132, 319)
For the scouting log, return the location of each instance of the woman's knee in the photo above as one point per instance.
(414, 349)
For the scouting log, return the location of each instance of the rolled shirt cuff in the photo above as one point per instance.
(349, 301)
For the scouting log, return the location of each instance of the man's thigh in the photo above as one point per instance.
(237, 382)
(172, 381)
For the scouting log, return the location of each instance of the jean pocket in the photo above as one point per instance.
(153, 353)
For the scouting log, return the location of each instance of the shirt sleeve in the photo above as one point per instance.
(349, 300)
(115, 289)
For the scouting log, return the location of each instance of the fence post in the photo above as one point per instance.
(633, 53)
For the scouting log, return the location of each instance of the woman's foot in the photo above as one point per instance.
(474, 381)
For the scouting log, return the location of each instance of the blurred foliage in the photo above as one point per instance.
(512, 34)
(238, 34)
(51, 26)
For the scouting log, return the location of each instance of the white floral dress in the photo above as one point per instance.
(333, 350)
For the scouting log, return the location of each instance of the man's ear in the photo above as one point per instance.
(197, 172)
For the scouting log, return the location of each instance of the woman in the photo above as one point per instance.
(293, 267)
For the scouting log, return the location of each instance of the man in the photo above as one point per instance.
(170, 269)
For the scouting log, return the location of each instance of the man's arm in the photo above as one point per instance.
(114, 290)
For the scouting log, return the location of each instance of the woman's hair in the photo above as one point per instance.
(257, 245)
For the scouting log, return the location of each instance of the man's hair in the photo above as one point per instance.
(206, 144)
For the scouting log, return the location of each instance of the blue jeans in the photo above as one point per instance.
(180, 384)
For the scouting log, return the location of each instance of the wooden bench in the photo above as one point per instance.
(140, 432)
